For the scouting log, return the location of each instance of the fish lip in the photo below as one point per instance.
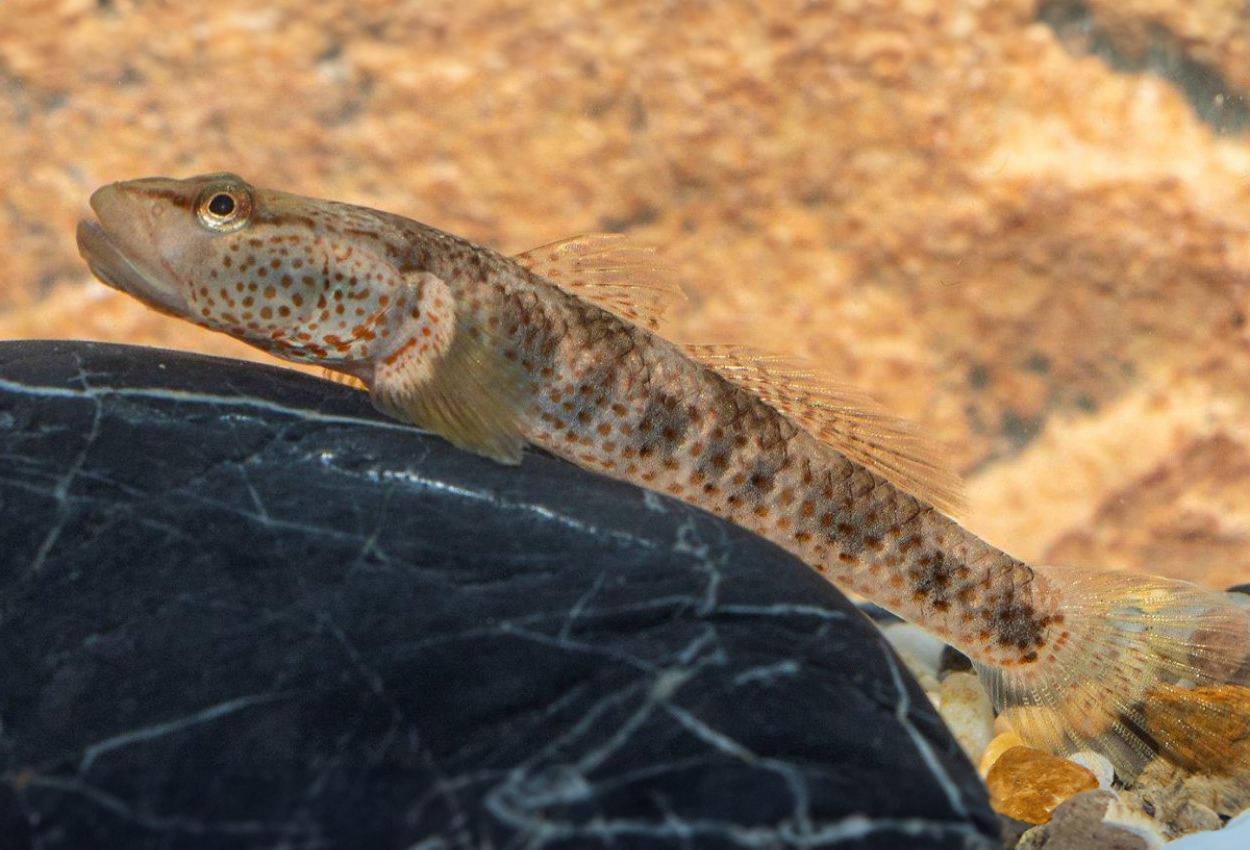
(102, 256)
(109, 263)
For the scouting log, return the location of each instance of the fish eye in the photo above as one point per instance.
(221, 205)
(224, 208)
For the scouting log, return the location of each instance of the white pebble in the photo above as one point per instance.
(915, 645)
(965, 707)
(928, 682)
(1097, 764)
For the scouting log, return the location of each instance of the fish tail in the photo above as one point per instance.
(1138, 667)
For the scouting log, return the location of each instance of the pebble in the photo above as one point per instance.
(921, 650)
(1000, 744)
(1165, 789)
(1097, 764)
(1130, 818)
(1194, 817)
(1078, 824)
(1029, 784)
(965, 706)
(1234, 836)
(953, 661)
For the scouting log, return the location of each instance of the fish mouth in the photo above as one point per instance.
(108, 259)
(105, 260)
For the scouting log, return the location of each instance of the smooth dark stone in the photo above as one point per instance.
(238, 608)
(953, 661)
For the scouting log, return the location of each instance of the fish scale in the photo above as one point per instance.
(560, 347)
(696, 436)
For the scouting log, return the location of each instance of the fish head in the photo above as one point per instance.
(156, 237)
(295, 276)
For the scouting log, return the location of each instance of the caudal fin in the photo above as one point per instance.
(1150, 667)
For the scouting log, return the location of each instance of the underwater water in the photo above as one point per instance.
(1023, 225)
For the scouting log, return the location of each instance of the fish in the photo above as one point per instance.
(563, 347)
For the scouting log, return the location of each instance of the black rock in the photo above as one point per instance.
(877, 614)
(953, 661)
(240, 609)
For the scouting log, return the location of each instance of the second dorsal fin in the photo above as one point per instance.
(611, 272)
(844, 418)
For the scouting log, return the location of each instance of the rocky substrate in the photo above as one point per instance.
(237, 605)
(238, 608)
(1078, 802)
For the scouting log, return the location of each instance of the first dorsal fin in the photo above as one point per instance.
(844, 418)
(610, 271)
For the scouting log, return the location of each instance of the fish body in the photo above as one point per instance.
(559, 348)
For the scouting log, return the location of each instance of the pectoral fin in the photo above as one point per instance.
(450, 377)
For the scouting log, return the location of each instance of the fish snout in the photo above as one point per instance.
(104, 199)
(121, 246)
